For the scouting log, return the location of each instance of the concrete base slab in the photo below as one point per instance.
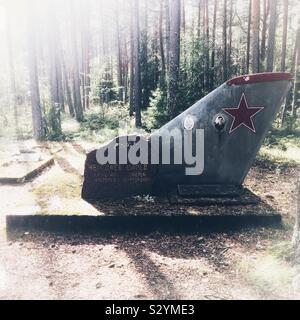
(138, 224)
(148, 215)
(244, 197)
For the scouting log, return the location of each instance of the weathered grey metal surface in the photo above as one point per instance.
(227, 156)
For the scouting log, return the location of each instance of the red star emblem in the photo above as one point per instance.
(242, 115)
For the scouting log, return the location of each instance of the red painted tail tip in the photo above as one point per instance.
(260, 77)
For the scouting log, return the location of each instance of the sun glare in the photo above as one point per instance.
(2, 18)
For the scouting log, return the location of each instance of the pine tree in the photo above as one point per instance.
(255, 35)
(137, 71)
(225, 71)
(75, 67)
(271, 36)
(213, 53)
(39, 128)
(174, 57)
(12, 72)
(248, 38)
(266, 11)
(284, 34)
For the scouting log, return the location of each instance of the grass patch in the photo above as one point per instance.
(272, 160)
(270, 276)
(282, 251)
(3, 234)
(67, 186)
(281, 148)
(282, 139)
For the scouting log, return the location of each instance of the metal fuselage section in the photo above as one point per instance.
(228, 154)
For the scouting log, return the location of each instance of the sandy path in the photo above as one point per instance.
(157, 266)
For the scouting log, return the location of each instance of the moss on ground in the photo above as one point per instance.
(67, 186)
(281, 148)
(277, 159)
(269, 275)
(282, 138)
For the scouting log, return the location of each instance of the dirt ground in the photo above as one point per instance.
(246, 264)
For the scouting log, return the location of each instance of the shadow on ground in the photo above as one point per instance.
(216, 248)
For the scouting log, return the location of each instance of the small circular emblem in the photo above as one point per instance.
(188, 123)
(219, 122)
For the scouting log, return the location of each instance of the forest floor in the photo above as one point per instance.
(246, 264)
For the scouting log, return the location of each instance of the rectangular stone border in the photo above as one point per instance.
(138, 224)
(29, 175)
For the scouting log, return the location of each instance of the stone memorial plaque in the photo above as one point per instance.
(116, 180)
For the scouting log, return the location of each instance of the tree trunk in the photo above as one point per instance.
(88, 80)
(86, 55)
(131, 91)
(68, 90)
(167, 9)
(230, 34)
(119, 53)
(39, 129)
(296, 235)
(137, 72)
(213, 53)
(125, 68)
(248, 38)
(146, 82)
(75, 69)
(60, 85)
(183, 17)
(271, 36)
(54, 74)
(225, 74)
(290, 99)
(104, 31)
(161, 45)
(255, 35)
(284, 34)
(12, 75)
(174, 57)
(199, 19)
(207, 62)
(264, 31)
(296, 91)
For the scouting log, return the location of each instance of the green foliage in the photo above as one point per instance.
(267, 160)
(291, 122)
(157, 114)
(273, 141)
(103, 122)
(96, 121)
(104, 91)
(191, 87)
(106, 122)
(150, 69)
(280, 138)
(53, 122)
